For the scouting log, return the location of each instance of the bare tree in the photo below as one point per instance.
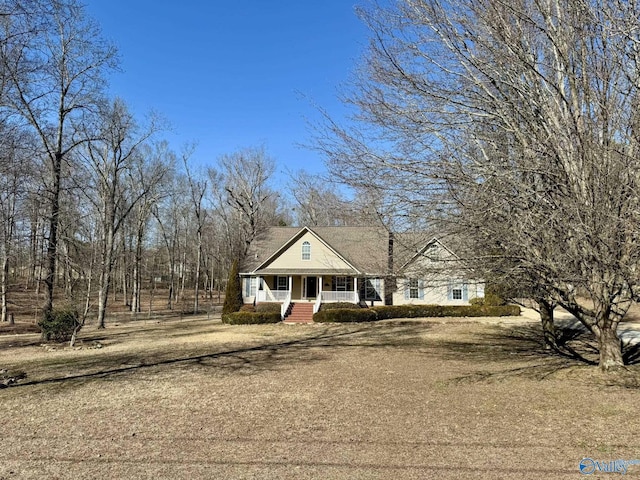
(53, 62)
(513, 124)
(197, 190)
(14, 183)
(317, 201)
(147, 178)
(245, 195)
(111, 157)
(171, 214)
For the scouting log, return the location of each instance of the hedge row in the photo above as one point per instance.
(339, 305)
(415, 311)
(261, 308)
(247, 318)
(342, 315)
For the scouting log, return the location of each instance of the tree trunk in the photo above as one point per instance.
(609, 346)
(52, 247)
(125, 273)
(548, 328)
(182, 275)
(105, 277)
(103, 296)
(137, 272)
(4, 287)
(196, 302)
(33, 249)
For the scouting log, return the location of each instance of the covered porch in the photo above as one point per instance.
(307, 288)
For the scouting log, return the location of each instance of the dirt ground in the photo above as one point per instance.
(418, 399)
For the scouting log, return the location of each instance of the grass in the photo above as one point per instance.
(396, 399)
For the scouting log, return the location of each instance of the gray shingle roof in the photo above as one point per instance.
(366, 248)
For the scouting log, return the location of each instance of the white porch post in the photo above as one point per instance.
(355, 288)
(258, 285)
(290, 285)
(319, 287)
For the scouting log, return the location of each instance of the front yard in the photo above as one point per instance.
(395, 399)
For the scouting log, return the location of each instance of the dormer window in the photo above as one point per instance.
(306, 251)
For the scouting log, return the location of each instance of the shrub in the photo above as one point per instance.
(268, 308)
(414, 311)
(247, 308)
(249, 318)
(233, 294)
(493, 300)
(339, 305)
(59, 324)
(344, 315)
(477, 301)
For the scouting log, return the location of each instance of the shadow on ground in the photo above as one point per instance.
(519, 351)
(242, 359)
(493, 352)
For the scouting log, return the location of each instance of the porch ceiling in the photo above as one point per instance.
(301, 271)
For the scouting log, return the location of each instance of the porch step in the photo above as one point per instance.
(300, 313)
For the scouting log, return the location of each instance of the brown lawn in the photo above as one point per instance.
(196, 399)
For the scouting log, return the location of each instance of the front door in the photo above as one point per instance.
(310, 287)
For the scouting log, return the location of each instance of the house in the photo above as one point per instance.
(305, 267)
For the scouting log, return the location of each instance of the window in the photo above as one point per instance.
(306, 251)
(372, 288)
(414, 288)
(341, 284)
(458, 290)
(250, 286)
(282, 283)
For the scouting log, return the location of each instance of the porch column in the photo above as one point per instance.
(258, 285)
(355, 289)
(319, 286)
(290, 285)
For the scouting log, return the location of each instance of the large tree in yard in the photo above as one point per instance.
(514, 125)
(53, 62)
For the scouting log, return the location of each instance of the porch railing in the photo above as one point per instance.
(285, 305)
(273, 295)
(316, 305)
(328, 297)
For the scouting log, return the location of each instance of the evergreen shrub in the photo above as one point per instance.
(269, 307)
(345, 315)
(250, 318)
(59, 324)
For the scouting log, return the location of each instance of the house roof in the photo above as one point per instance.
(363, 248)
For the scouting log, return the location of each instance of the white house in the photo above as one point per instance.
(291, 265)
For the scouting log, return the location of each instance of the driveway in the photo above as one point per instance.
(629, 332)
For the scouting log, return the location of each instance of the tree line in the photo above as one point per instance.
(94, 202)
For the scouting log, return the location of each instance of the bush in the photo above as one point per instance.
(247, 308)
(59, 324)
(233, 294)
(268, 308)
(414, 311)
(344, 315)
(493, 300)
(250, 318)
(339, 305)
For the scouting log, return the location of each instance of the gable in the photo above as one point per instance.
(433, 258)
(337, 250)
(322, 258)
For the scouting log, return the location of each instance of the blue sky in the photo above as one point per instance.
(237, 73)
